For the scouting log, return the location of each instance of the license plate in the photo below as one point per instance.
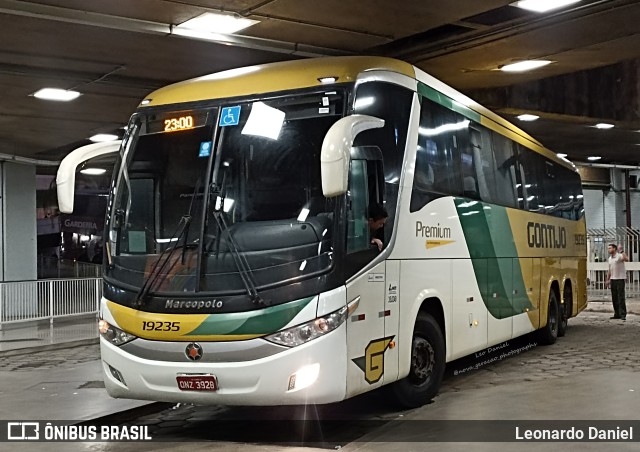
(197, 382)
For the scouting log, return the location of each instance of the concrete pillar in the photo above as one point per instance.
(18, 222)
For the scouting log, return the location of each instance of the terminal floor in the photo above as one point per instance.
(45, 335)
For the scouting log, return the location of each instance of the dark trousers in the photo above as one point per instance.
(617, 296)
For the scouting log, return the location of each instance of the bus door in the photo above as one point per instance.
(366, 342)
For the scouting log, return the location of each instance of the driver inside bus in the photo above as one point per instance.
(377, 218)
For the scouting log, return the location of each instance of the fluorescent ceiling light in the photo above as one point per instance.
(62, 95)
(593, 158)
(216, 23)
(102, 137)
(603, 125)
(264, 121)
(541, 6)
(93, 171)
(562, 156)
(525, 65)
(527, 117)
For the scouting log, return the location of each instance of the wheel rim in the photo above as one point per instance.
(423, 360)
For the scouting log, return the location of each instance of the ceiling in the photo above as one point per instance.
(116, 51)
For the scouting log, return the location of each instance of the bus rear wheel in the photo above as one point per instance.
(427, 365)
(549, 334)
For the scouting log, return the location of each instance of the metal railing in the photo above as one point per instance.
(49, 267)
(597, 275)
(598, 241)
(48, 299)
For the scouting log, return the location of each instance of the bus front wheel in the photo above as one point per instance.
(549, 334)
(427, 365)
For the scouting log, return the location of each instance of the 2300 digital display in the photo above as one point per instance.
(181, 123)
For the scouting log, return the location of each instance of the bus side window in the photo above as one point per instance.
(393, 104)
(437, 168)
(507, 181)
(467, 141)
(357, 224)
(533, 169)
(482, 161)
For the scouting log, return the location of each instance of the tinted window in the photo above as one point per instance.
(506, 172)
(438, 168)
(459, 157)
(393, 104)
(550, 188)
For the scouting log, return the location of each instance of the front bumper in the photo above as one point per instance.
(263, 381)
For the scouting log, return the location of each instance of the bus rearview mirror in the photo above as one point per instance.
(66, 177)
(336, 151)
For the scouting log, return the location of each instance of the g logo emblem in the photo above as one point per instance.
(372, 363)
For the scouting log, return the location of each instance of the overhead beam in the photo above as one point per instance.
(60, 14)
(81, 77)
(417, 49)
(610, 93)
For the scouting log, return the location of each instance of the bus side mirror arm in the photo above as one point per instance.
(66, 177)
(336, 151)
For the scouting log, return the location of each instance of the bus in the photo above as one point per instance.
(239, 266)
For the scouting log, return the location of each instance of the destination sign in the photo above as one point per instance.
(177, 121)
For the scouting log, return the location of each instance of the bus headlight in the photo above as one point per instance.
(114, 335)
(298, 335)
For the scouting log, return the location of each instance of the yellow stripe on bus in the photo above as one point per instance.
(166, 327)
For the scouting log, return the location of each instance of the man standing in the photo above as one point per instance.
(616, 277)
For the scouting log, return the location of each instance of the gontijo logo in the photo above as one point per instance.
(546, 236)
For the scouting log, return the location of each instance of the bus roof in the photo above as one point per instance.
(273, 77)
(306, 73)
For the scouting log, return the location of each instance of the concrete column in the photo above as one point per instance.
(18, 222)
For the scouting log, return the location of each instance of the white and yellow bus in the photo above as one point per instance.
(240, 268)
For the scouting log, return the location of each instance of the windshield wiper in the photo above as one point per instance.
(240, 261)
(238, 258)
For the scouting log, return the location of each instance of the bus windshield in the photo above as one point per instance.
(222, 198)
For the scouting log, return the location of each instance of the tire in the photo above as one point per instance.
(549, 334)
(565, 313)
(427, 365)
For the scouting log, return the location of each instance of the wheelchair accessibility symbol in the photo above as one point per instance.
(230, 116)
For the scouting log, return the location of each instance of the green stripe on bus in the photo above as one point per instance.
(258, 322)
(447, 102)
(494, 257)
